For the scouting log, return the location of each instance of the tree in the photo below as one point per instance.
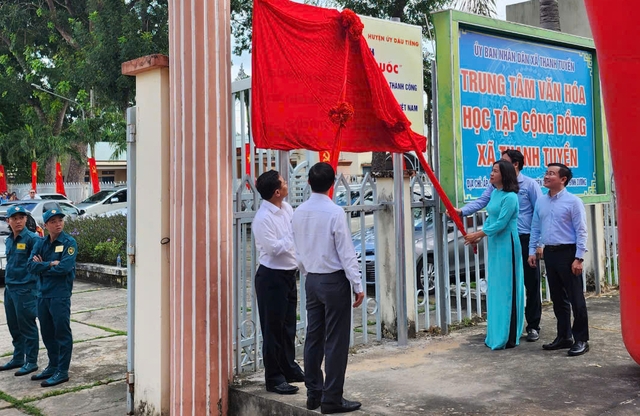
(549, 15)
(74, 48)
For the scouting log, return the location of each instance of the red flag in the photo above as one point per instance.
(59, 180)
(34, 175)
(247, 155)
(93, 174)
(3, 180)
(325, 156)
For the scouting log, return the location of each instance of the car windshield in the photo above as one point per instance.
(53, 196)
(97, 197)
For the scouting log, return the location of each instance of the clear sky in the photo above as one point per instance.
(245, 58)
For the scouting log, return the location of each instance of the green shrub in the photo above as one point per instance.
(100, 239)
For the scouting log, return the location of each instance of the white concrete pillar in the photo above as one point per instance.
(387, 255)
(152, 192)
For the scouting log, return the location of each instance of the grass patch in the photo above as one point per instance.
(21, 405)
(87, 291)
(104, 328)
(466, 323)
(54, 393)
(99, 309)
(80, 341)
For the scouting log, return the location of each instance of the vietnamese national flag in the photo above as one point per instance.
(93, 174)
(59, 180)
(34, 175)
(3, 180)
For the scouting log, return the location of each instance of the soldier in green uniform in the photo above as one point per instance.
(20, 294)
(54, 260)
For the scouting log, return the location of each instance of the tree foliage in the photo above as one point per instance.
(72, 48)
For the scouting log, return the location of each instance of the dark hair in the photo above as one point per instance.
(563, 172)
(321, 177)
(509, 176)
(268, 183)
(516, 157)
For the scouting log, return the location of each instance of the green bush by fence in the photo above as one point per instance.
(100, 239)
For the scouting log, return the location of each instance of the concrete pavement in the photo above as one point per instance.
(98, 365)
(458, 375)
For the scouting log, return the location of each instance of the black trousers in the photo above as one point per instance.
(533, 305)
(328, 325)
(566, 293)
(277, 297)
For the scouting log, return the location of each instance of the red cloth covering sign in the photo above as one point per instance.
(93, 174)
(317, 86)
(59, 180)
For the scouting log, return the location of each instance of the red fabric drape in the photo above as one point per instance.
(59, 180)
(93, 174)
(3, 180)
(34, 175)
(315, 82)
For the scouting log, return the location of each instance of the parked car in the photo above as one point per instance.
(424, 275)
(37, 207)
(105, 201)
(5, 231)
(54, 196)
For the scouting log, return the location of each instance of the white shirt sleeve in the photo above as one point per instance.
(346, 252)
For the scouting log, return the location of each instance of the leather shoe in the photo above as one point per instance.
(532, 335)
(11, 365)
(313, 403)
(46, 373)
(298, 378)
(54, 380)
(558, 344)
(284, 388)
(343, 407)
(28, 368)
(578, 348)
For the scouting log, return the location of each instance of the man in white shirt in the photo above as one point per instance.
(276, 289)
(327, 257)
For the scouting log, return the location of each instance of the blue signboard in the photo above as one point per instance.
(532, 97)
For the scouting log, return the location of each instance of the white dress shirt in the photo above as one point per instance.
(272, 232)
(323, 241)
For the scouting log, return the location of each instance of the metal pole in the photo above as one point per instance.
(443, 287)
(401, 264)
(131, 252)
(596, 254)
(283, 167)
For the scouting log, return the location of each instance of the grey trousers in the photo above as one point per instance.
(328, 324)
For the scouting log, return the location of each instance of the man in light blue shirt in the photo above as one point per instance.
(560, 225)
(527, 196)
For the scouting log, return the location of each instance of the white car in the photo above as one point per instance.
(106, 200)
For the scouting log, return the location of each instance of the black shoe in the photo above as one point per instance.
(558, 344)
(532, 335)
(28, 368)
(578, 348)
(11, 365)
(298, 378)
(344, 407)
(54, 380)
(46, 373)
(284, 388)
(313, 403)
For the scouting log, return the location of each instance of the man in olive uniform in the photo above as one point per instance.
(20, 294)
(54, 260)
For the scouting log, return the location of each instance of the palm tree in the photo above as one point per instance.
(481, 7)
(549, 15)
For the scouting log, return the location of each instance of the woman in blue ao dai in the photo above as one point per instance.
(505, 279)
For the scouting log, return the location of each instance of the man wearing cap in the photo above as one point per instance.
(54, 260)
(20, 294)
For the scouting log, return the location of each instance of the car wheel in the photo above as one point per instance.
(430, 271)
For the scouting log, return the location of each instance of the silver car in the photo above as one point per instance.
(37, 207)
